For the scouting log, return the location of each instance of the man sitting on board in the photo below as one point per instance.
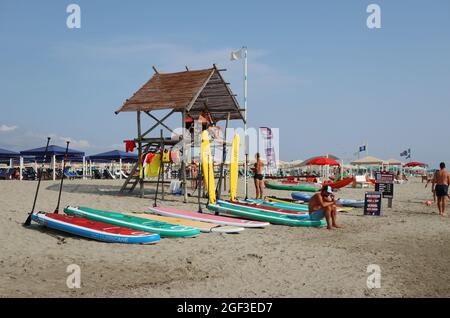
(325, 204)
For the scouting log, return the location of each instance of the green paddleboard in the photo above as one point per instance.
(292, 187)
(133, 222)
(261, 215)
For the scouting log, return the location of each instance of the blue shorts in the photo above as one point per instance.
(316, 215)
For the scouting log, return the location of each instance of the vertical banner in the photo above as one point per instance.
(271, 164)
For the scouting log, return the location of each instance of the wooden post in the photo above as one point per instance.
(141, 175)
(390, 203)
(183, 163)
(224, 157)
(162, 164)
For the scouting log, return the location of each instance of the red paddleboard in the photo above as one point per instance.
(99, 231)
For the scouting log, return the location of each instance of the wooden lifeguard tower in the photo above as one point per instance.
(191, 93)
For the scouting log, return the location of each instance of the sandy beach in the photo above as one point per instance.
(410, 243)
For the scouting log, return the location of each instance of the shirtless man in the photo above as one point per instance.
(258, 177)
(441, 180)
(324, 202)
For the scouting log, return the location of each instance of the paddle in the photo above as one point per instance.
(199, 185)
(28, 220)
(62, 178)
(161, 169)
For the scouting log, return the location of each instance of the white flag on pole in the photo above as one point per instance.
(237, 55)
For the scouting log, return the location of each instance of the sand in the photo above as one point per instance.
(410, 244)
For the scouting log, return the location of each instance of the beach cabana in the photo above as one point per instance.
(114, 155)
(368, 161)
(395, 164)
(6, 155)
(54, 152)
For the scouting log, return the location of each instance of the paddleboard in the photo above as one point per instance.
(284, 200)
(207, 166)
(234, 166)
(291, 187)
(133, 222)
(261, 215)
(297, 204)
(207, 217)
(295, 214)
(344, 202)
(98, 231)
(202, 226)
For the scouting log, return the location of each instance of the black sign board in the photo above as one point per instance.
(372, 203)
(384, 182)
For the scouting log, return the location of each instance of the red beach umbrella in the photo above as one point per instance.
(323, 161)
(415, 164)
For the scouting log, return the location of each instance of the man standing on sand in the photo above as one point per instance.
(441, 180)
(324, 202)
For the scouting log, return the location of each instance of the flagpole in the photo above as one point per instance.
(245, 124)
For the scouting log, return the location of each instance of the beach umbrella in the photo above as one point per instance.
(323, 161)
(415, 164)
(367, 161)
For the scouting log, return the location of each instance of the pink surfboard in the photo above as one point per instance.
(207, 217)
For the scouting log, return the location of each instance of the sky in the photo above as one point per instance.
(315, 70)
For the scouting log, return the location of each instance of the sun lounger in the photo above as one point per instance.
(362, 181)
(2, 173)
(108, 175)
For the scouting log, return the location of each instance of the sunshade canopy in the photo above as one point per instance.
(195, 91)
(7, 154)
(52, 150)
(305, 162)
(367, 161)
(323, 161)
(415, 164)
(113, 155)
(393, 162)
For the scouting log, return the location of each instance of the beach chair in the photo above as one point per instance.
(74, 174)
(29, 173)
(6, 173)
(96, 174)
(362, 181)
(2, 173)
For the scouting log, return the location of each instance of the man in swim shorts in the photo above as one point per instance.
(324, 202)
(258, 177)
(441, 180)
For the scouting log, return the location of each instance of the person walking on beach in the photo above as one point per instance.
(258, 177)
(325, 203)
(440, 183)
(432, 188)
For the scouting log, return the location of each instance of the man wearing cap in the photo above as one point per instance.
(325, 204)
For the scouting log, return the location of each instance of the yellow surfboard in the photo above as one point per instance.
(208, 169)
(155, 166)
(234, 167)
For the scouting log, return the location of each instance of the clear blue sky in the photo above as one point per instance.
(315, 70)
